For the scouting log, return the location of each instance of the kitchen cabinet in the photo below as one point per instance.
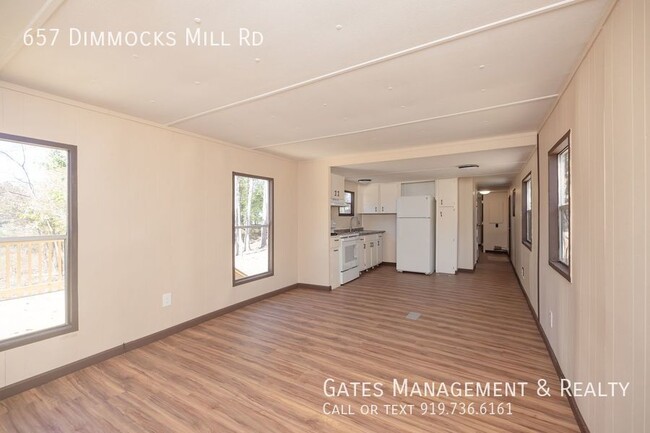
(446, 240)
(370, 198)
(447, 192)
(378, 198)
(364, 253)
(337, 189)
(335, 263)
(374, 250)
(380, 249)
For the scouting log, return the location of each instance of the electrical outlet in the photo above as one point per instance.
(166, 299)
(550, 318)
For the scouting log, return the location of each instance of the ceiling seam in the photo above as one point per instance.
(446, 39)
(40, 18)
(429, 170)
(411, 122)
(127, 117)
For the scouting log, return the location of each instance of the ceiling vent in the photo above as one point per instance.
(468, 166)
(364, 181)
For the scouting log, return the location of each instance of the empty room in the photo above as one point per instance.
(395, 216)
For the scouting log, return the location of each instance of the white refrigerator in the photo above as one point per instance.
(416, 234)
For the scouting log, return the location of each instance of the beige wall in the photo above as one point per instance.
(154, 216)
(601, 329)
(524, 260)
(466, 223)
(313, 227)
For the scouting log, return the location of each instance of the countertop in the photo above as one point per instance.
(360, 231)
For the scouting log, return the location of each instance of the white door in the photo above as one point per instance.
(446, 240)
(414, 249)
(495, 223)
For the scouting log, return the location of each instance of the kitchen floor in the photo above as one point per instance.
(265, 368)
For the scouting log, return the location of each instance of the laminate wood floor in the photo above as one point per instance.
(262, 368)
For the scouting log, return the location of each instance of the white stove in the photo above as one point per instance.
(349, 257)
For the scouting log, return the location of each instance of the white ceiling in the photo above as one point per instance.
(397, 74)
(497, 168)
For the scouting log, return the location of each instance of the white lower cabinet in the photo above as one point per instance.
(380, 249)
(364, 253)
(371, 251)
(335, 264)
(374, 250)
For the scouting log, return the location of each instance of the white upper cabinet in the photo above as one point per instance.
(337, 189)
(388, 194)
(380, 197)
(447, 192)
(370, 198)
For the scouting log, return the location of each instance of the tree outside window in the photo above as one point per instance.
(252, 228)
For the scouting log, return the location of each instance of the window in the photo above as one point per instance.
(38, 240)
(527, 211)
(347, 210)
(559, 186)
(252, 228)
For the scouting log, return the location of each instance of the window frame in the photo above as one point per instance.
(524, 211)
(563, 144)
(271, 242)
(351, 213)
(71, 266)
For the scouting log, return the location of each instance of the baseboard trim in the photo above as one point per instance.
(572, 401)
(313, 286)
(465, 270)
(48, 376)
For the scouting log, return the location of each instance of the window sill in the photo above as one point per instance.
(251, 279)
(561, 268)
(33, 337)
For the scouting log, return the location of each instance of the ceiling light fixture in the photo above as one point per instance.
(364, 181)
(468, 166)
(339, 27)
(197, 20)
(484, 192)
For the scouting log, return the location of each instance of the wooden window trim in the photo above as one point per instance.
(562, 144)
(270, 272)
(351, 213)
(72, 309)
(524, 224)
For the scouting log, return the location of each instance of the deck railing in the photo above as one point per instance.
(31, 266)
